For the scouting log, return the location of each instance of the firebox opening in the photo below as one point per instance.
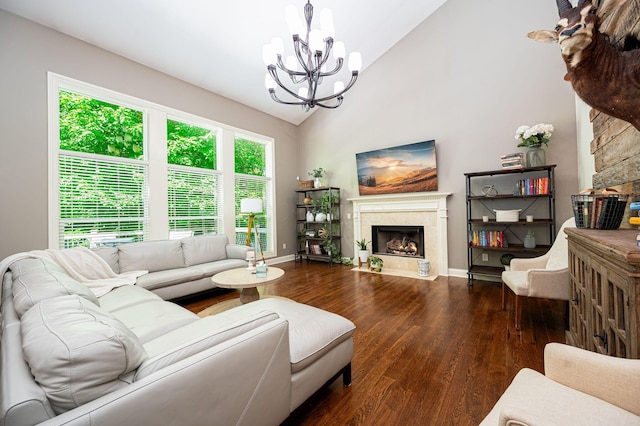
(405, 241)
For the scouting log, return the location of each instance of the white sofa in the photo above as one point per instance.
(176, 267)
(129, 357)
(578, 388)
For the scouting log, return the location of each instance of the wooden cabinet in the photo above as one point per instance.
(528, 191)
(604, 269)
(318, 224)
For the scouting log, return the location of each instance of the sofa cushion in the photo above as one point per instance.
(39, 279)
(30, 264)
(126, 296)
(169, 277)
(204, 248)
(211, 268)
(110, 255)
(151, 319)
(312, 332)
(196, 337)
(150, 255)
(77, 352)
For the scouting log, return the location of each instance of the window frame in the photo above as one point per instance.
(155, 118)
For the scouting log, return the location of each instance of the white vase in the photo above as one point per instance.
(363, 255)
(310, 217)
(317, 183)
(321, 217)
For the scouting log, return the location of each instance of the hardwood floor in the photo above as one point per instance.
(425, 353)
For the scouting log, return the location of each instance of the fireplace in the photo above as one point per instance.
(425, 209)
(398, 240)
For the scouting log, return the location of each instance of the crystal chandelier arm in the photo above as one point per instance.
(274, 75)
(292, 73)
(328, 43)
(336, 105)
(298, 45)
(338, 67)
(311, 54)
(354, 77)
(272, 92)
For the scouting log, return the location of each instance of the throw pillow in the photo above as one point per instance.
(77, 352)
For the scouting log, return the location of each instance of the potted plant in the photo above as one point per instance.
(330, 247)
(346, 261)
(363, 251)
(375, 263)
(317, 175)
(327, 202)
(533, 138)
(505, 259)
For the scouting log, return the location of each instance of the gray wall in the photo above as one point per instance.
(27, 52)
(467, 77)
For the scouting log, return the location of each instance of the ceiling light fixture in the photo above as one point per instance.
(311, 55)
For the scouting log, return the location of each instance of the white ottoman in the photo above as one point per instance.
(320, 343)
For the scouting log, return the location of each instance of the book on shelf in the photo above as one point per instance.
(512, 161)
(533, 186)
(487, 239)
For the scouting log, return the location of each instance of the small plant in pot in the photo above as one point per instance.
(505, 259)
(317, 175)
(363, 251)
(375, 263)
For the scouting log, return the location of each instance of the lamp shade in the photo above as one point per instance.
(251, 205)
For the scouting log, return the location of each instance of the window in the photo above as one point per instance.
(194, 184)
(123, 169)
(102, 172)
(252, 180)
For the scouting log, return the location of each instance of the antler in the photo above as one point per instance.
(563, 6)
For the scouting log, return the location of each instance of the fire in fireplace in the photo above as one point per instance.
(397, 240)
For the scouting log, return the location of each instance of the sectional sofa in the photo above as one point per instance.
(176, 268)
(68, 356)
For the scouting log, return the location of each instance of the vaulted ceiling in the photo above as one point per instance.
(216, 44)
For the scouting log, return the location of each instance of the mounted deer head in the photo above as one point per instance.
(604, 77)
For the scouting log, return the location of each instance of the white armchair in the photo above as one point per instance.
(578, 388)
(545, 276)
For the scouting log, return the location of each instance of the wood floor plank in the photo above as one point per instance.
(425, 352)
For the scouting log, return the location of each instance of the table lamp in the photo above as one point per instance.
(251, 206)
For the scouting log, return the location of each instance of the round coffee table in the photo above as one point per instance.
(247, 281)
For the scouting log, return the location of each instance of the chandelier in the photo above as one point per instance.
(308, 68)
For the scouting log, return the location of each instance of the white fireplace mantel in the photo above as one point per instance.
(431, 203)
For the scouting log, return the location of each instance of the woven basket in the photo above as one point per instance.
(305, 184)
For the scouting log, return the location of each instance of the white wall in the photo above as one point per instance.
(467, 77)
(28, 51)
(586, 164)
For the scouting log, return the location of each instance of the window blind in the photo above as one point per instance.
(101, 200)
(194, 197)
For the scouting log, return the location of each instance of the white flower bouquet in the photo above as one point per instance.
(534, 135)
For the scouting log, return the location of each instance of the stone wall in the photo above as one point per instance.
(616, 143)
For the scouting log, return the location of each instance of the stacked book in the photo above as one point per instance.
(487, 239)
(535, 186)
(512, 161)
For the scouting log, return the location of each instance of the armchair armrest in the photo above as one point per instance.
(615, 380)
(237, 251)
(523, 264)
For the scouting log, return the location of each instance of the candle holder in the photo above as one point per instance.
(251, 260)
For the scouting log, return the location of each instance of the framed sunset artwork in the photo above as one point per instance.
(405, 168)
